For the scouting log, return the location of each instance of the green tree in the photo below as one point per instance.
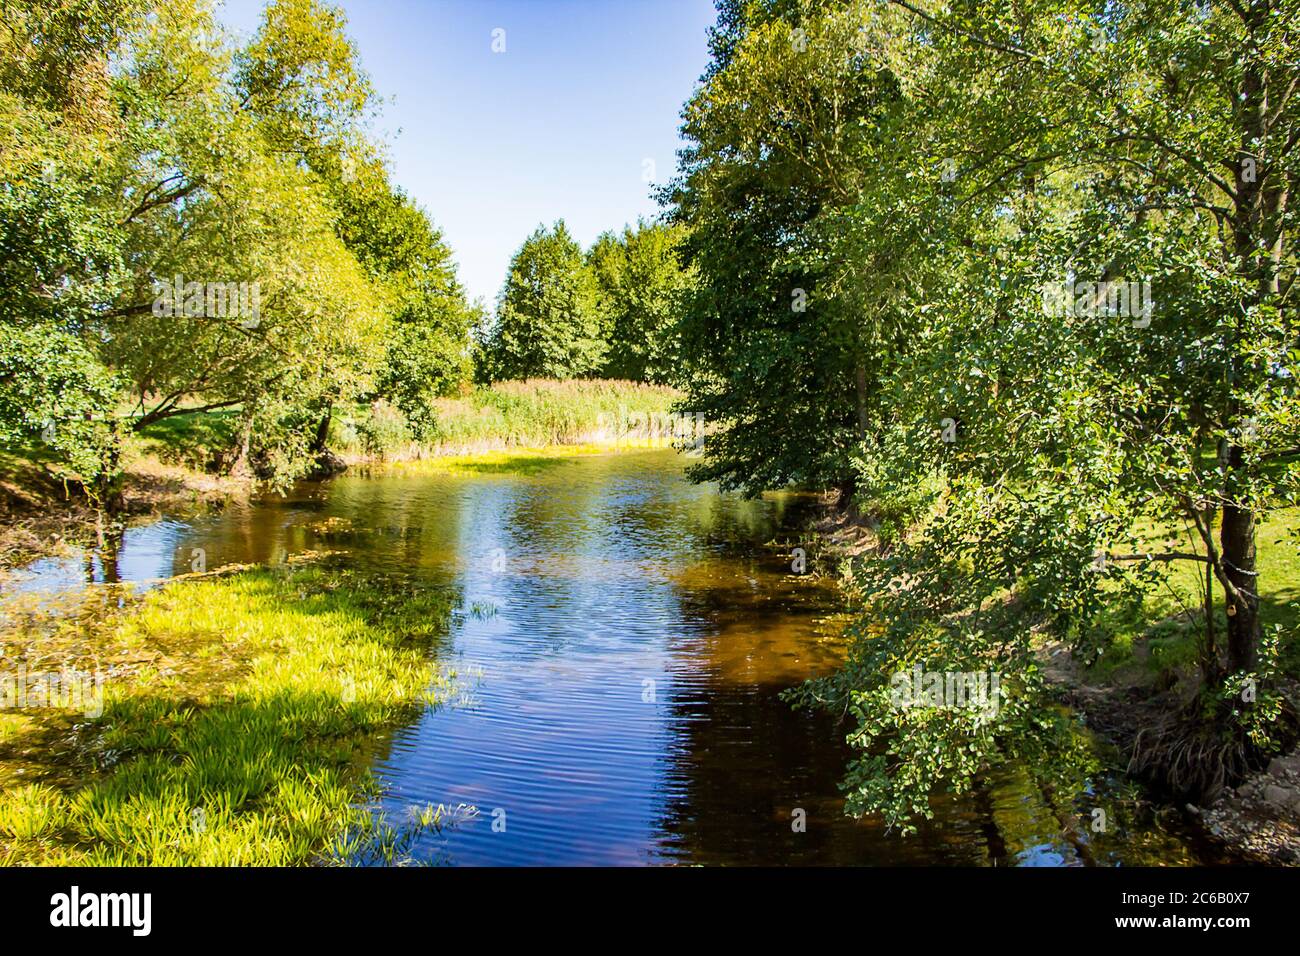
(196, 161)
(427, 351)
(213, 189)
(60, 254)
(641, 289)
(1014, 453)
(547, 324)
(786, 128)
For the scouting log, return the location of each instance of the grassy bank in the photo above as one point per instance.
(1154, 639)
(1158, 638)
(239, 713)
(538, 413)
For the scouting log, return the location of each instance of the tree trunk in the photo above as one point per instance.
(108, 484)
(847, 488)
(1237, 541)
(1211, 666)
(1259, 204)
(239, 465)
(323, 430)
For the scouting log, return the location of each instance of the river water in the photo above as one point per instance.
(620, 646)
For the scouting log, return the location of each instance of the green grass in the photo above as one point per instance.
(533, 414)
(191, 440)
(248, 741)
(1163, 626)
(524, 418)
(516, 460)
(542, 412)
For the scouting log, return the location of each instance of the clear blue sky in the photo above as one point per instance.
(558, 126)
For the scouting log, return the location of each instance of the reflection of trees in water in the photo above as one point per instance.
(739, 762)
(107, 556)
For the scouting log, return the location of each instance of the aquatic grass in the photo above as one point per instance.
(265, 762)
(31, 812)
(13, 725)
(374, 839)
(516, 461)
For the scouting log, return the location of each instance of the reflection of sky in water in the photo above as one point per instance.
(146, 552)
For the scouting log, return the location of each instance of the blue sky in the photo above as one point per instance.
(560, 125)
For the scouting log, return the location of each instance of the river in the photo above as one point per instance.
(622, 641)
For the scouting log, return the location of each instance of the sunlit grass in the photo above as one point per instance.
(525, 461)
(541, 412)
(1170, 619)
(260, 760)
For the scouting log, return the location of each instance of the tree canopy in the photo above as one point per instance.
(1015, 275)
(546, 325)
(191, 225)
(612, 312)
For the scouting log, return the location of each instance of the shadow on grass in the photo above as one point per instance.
(192, 439)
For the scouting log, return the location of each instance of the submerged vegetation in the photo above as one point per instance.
(246, 735)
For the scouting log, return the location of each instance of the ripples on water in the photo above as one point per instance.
(622, 642)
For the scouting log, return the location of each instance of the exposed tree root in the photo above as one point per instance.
(1197, 757)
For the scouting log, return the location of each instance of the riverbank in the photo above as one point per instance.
(532, 414)
(223, 719)
(44, 511)
(174, 467)
(1149, 671)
